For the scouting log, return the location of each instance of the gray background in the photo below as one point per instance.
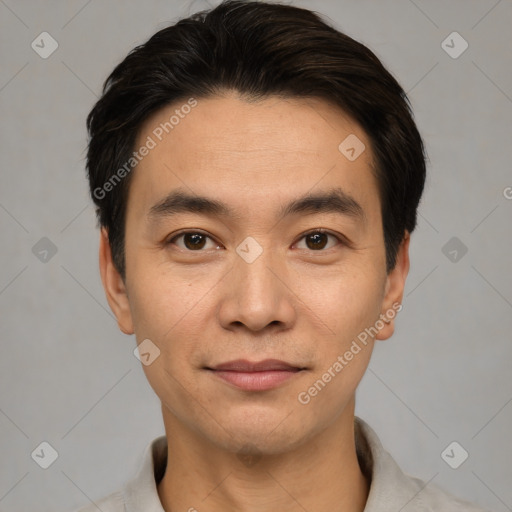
(68, 376)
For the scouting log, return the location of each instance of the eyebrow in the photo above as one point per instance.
(332, 201)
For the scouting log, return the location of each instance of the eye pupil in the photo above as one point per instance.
(196, 239)
(317, 240)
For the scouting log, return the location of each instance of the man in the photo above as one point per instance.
(256, 175)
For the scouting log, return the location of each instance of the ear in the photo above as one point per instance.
(394, 291)
(114, 287)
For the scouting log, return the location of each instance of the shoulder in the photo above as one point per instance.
(112, 503)
(392, 489)
(140, 492)
(433, 498)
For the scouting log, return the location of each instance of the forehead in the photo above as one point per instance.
(249, 152)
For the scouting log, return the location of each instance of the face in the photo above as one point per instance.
(284, 260)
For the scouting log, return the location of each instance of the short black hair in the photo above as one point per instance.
(259, 49)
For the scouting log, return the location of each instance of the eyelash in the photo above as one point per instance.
(170, 241)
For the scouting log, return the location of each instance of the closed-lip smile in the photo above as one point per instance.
(255, 376)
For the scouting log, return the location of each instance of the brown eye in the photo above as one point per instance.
(318, 240)
(194, 240)
(191, 241)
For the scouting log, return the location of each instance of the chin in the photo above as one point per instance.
(276, 435)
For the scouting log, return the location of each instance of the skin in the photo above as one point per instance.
(295, 302)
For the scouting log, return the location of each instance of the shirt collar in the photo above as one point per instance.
(390, 487)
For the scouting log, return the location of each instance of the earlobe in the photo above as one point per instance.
(115, 289)
(394, 290)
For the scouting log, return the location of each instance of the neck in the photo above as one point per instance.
(321, 474)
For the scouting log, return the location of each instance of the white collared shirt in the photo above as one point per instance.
(391, 490)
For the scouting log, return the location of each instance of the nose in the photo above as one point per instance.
(257, 295)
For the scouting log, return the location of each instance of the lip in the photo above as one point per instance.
(255, 376)
(243, 365)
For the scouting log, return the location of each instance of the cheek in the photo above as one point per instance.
(350, 306)
(173, 309)
(345, 300)
(167, 312)
(163, 299)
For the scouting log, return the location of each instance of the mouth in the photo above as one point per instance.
(255, 376)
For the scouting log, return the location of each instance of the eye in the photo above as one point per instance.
(196, 240)
(318, 239)
(192, 240)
